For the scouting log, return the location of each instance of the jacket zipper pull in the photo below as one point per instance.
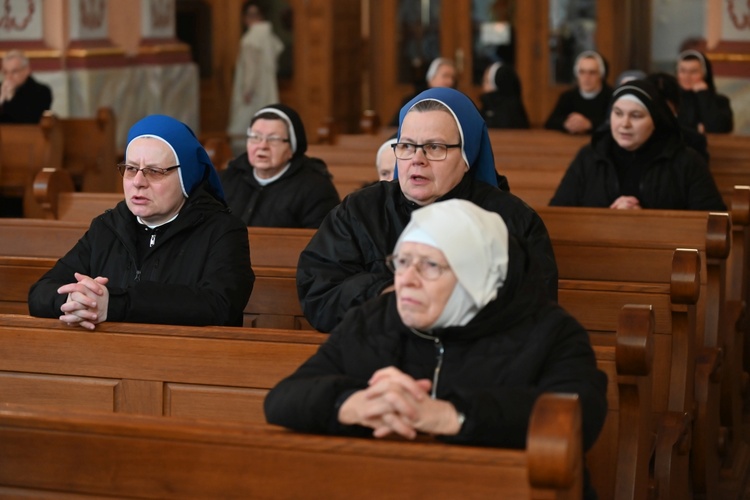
(153, 240)
(436, 376)
(138, 275)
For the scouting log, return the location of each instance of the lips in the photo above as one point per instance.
(139, 200)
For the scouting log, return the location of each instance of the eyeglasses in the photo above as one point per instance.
(272, 140)
(153, 174)
(432, 150)
(426, 268)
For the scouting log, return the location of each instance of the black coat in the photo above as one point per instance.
(302, 197)
(197, 273)
(677, 179)
(344, 263)
(571, 101)
(707, 107)
(29, 102)
(494, 368)
(503, 111)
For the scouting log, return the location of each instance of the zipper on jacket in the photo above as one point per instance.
(137, 275)
(436, 376)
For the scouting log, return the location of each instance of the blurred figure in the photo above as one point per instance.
(440, 73)
(502, 105)
(255, 82)
(385, 160)
(669, 89)
(628, 76)
(274, 183)
(22, 98)
(583, 108)
(701, 107)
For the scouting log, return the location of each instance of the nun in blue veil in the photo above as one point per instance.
(443, 152)
(171, 252)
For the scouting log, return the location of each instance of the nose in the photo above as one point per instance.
(409, 275)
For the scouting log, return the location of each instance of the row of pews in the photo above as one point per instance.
(662, 293)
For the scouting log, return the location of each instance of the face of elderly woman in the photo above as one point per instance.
(445, 76)
(423, 181)
(689, 72)
(153, 197)
(268, 147)
(589, 76)
(420, 301)
(631, 124)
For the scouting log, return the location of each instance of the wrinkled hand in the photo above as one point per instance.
(626, 203)
(576, 123)
(87, 302)
(395, 403)
(700, 85)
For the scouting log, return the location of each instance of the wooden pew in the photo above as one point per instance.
(90, 152)
(594, 246)
(222, 373)
(24, 151)
(147, 457)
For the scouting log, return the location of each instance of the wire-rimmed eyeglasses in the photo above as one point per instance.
(434, 151)
(153, 174)
(426, 268)
(272, 140)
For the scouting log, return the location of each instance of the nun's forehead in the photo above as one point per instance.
(419, 112)
(167, 151)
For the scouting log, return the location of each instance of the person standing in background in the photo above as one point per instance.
(255, 84)
(22, 98)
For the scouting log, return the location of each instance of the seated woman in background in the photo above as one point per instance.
(639, 161)
(274, 183)
(461, 350)
(440, 73)
(701, 107)
(169, 253)
(443, 152)
(583, 108)
(385, 162)
(502, 105)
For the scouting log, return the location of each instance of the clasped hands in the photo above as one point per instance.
(87, 302)
(396, 403)
(576, 123)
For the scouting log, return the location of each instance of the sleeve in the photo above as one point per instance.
(500, 416)
(701, 187)
(339, 269)
(218, 297)
(558, 116)
(309, 399)
(570, 191)
(715, 112)
(44, 301)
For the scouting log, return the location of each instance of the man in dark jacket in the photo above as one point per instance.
(344, 263)
(274, 184)
(22, 98)
(169, 253)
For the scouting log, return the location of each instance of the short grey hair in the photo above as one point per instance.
(17, 54)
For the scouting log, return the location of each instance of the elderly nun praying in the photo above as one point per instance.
(460, 350)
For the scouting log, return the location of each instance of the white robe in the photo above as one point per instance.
(255, 73)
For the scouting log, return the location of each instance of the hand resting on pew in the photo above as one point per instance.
(626, 203)
(87, 303)
(460, 351)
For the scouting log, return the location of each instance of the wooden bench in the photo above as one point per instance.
(607, 256)
(24, 151)
(147, 457)
(222, 373)
(90, 152)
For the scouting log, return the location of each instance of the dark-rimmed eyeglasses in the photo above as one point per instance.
(426, 268)
(153, 174)
(272, 140)
(434, 151)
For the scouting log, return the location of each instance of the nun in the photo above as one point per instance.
(460, 351)
(583, 108)
(502, 103)
(274, 183)
(639, 160)
(442, 152)
(171, 252)
(701, 107)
